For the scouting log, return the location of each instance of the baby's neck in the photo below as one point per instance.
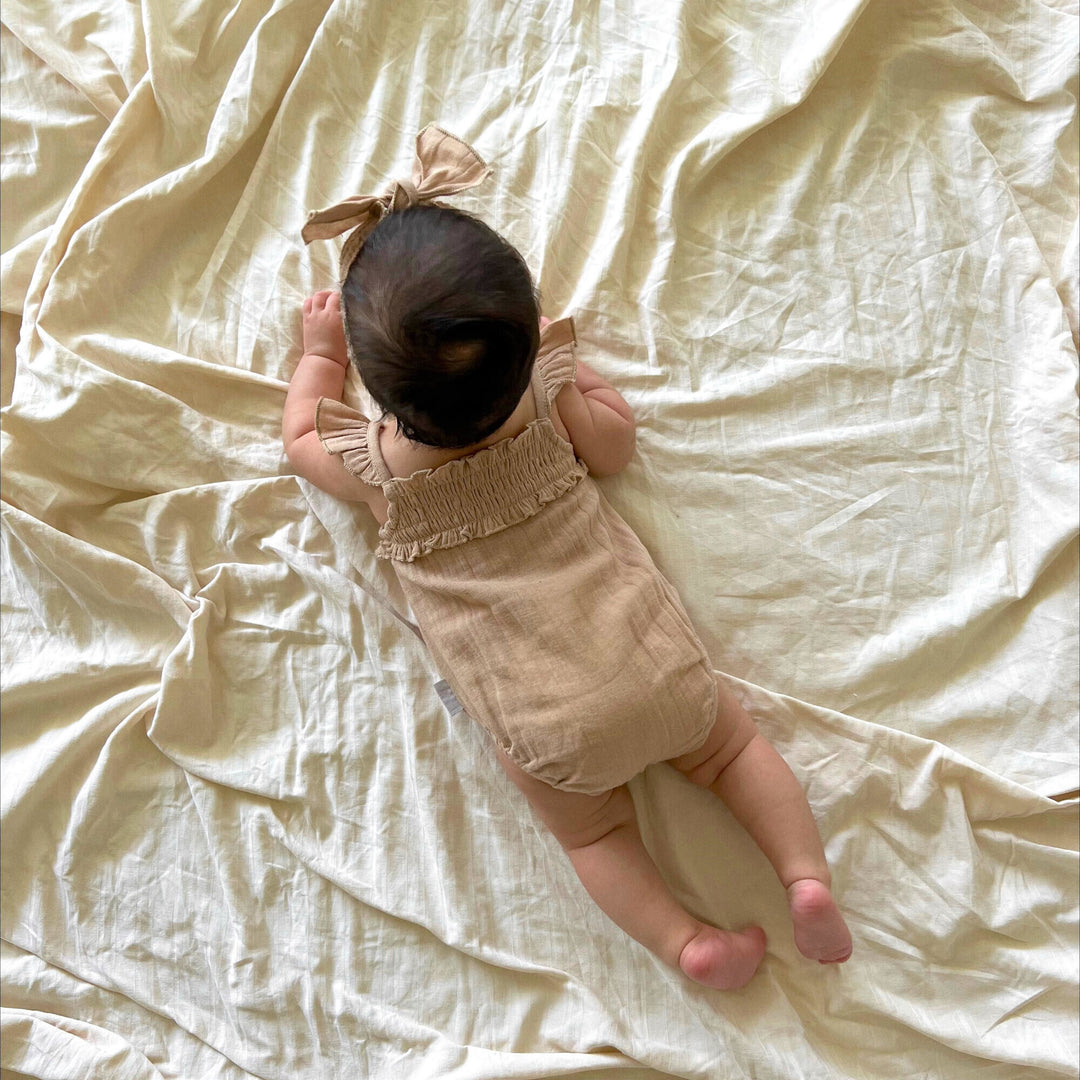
(404, 457)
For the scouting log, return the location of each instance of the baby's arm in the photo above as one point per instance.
(599, 422)
(320, 373)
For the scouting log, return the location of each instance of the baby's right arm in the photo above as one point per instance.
(598, 421)
(320, 373)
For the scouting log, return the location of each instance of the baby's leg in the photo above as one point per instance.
(740, 765)
(601, 836)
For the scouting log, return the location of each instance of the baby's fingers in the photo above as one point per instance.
(316, 303)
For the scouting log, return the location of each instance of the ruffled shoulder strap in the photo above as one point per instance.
(350, 434)
(555, 363)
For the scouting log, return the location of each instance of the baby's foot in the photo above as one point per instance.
(820, 931)
(723, 959)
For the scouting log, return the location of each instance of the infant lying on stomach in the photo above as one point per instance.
(542, 609)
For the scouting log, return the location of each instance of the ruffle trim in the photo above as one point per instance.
(344, 431)
(467, 498)
(555, 359)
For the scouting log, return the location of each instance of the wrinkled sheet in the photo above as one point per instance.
(827, 250)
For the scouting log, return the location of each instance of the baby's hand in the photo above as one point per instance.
(324, 333)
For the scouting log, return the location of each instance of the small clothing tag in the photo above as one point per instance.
(449, 698)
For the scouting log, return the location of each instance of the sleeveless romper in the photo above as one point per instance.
(542, 609)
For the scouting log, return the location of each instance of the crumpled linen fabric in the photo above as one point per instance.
(827, 250)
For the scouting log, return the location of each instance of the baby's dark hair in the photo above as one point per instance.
(443, 324)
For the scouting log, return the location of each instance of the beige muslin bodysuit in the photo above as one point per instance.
(542, 609)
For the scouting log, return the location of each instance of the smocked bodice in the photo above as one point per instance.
(483, 493)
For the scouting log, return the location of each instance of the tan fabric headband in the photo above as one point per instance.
(444, 165)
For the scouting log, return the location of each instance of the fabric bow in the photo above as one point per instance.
(444, 165)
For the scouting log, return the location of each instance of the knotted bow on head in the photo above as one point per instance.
(444, 165)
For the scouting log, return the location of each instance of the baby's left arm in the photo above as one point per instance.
(598, 420)
(320, 373)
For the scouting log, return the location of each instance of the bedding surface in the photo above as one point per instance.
(827, 249)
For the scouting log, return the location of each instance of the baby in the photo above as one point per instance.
(542, 609)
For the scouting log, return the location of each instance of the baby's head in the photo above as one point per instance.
(443, 324)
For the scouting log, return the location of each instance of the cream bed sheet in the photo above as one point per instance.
(827, 249)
